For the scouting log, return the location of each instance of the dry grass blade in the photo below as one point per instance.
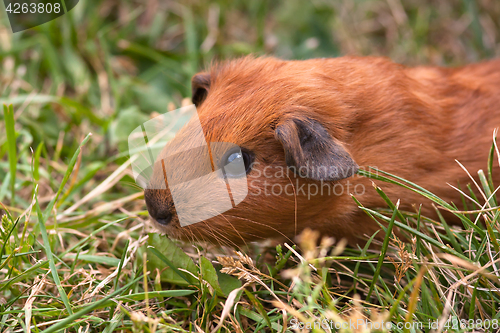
(228, 305)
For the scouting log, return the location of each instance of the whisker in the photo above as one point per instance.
(239, 235)
(132, 184)
(229, 242)
(262, 224)
(189, 234)
(209, 229)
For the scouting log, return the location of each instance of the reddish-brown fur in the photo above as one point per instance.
(411, 122)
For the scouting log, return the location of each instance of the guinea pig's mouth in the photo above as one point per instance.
(171, 230)
(174, 230)
(166, 225)
(164, 220)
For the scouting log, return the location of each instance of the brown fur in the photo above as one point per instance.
(411, 122)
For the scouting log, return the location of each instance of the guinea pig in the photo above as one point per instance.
(324, 119)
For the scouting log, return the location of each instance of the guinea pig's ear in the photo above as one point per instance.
(312, 152)
(200, 84)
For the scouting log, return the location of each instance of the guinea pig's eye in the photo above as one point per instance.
(237, 163)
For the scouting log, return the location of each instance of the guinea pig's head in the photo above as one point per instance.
(282, 122)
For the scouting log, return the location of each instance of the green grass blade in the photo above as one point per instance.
(95, 232)
(120, 265)
(491, 158)
(63, 323)
(258, 305)
(36, 163)
(5, 242)
(32, 269)
(109, 261)
(50, 258)
(42, 218)
(449, 232)
(8, 112)
(420, 190)
(66, 177)
(419, 234)
(383, 251)
(169, 264)
(488, 189)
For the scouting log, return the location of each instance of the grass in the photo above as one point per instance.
(77, 253)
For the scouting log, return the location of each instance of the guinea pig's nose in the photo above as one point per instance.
(159, 208)
(164, 218)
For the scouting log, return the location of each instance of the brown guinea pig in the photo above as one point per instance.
(324, 119)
